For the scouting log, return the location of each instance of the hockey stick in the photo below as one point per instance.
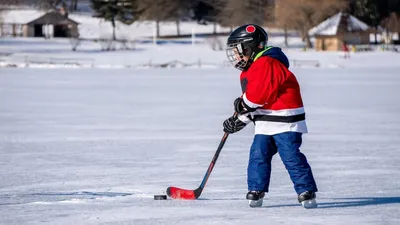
(179, 193)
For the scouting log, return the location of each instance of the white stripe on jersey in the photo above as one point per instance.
(249, 103)
(271, 128)
(282, 112)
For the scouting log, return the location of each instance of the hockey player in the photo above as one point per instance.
(271, 99)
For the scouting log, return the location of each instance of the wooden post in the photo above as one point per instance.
(14, 30)
(193, 36)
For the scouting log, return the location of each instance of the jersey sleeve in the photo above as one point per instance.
(264, 78)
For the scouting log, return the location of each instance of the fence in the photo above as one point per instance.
(54, 62)
(388, 47)
(305, 63)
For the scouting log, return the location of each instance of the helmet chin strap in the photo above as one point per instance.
(249, 61)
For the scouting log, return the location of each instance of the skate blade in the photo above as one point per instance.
(255, 203)
(310, 204)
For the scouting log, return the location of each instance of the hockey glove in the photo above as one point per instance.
(233, 125)
(241, 107)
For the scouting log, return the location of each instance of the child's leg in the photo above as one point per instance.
(288, 145)
(259, 168)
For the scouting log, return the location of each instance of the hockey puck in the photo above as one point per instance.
(160, 197)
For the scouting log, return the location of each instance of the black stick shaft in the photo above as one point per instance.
(213, 162)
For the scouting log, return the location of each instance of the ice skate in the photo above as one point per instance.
(255, 198)
(307, 199)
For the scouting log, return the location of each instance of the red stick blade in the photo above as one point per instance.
(179, 193)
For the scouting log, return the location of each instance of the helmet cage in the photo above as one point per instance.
(235, 52)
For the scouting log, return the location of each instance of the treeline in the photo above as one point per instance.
(300, 15)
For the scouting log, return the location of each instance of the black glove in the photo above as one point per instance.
(241, 107)
(233, 125)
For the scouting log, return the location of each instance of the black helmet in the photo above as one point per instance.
(246, 40)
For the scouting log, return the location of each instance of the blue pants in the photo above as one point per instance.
(264, 147)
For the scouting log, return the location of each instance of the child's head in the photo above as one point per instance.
(244, 43)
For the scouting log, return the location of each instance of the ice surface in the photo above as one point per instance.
(92, 146)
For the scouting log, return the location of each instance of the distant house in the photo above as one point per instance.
(28, 23)
(340, 29)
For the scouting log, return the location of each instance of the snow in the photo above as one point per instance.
(330, 26)
(89, 136)
(95, 28)
(20, 16)
(57, 53)
(92, 146)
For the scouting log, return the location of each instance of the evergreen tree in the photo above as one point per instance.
(394, 6)
(371, 12)
(124, 11)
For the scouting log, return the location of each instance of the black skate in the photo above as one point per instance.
(255, 198)
(307, 199)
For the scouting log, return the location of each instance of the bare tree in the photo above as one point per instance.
(391, 25)
(283, 19)
(49, 4)
(5, 3)
(1, 22)
(164, 10)
(73, 5)
(125, 11)
(239, 12)
(214, 14)
(302, 15)
(153, 10)
(176, 10)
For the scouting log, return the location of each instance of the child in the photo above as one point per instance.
(271, 99)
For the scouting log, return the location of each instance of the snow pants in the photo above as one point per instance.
(287, 144)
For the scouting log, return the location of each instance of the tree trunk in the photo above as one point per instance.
(158, 28)
(376, 35)
(113, 25)
(215, 27)
(286, 36)
(75, 6)
(308, 41)
(306, 38)
(388, 36)
(14, 30)
(178, 30)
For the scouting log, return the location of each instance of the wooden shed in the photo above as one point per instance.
(62, 26)
(340, 29)
(31, 23)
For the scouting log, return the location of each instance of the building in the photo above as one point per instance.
(340, 29)
(27, 23)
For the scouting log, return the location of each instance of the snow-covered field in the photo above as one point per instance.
(92, 146)
(91, 27)
(37, 52)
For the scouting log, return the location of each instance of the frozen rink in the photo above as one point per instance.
(88, 146)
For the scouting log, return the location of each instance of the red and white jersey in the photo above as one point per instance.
(269, 86)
